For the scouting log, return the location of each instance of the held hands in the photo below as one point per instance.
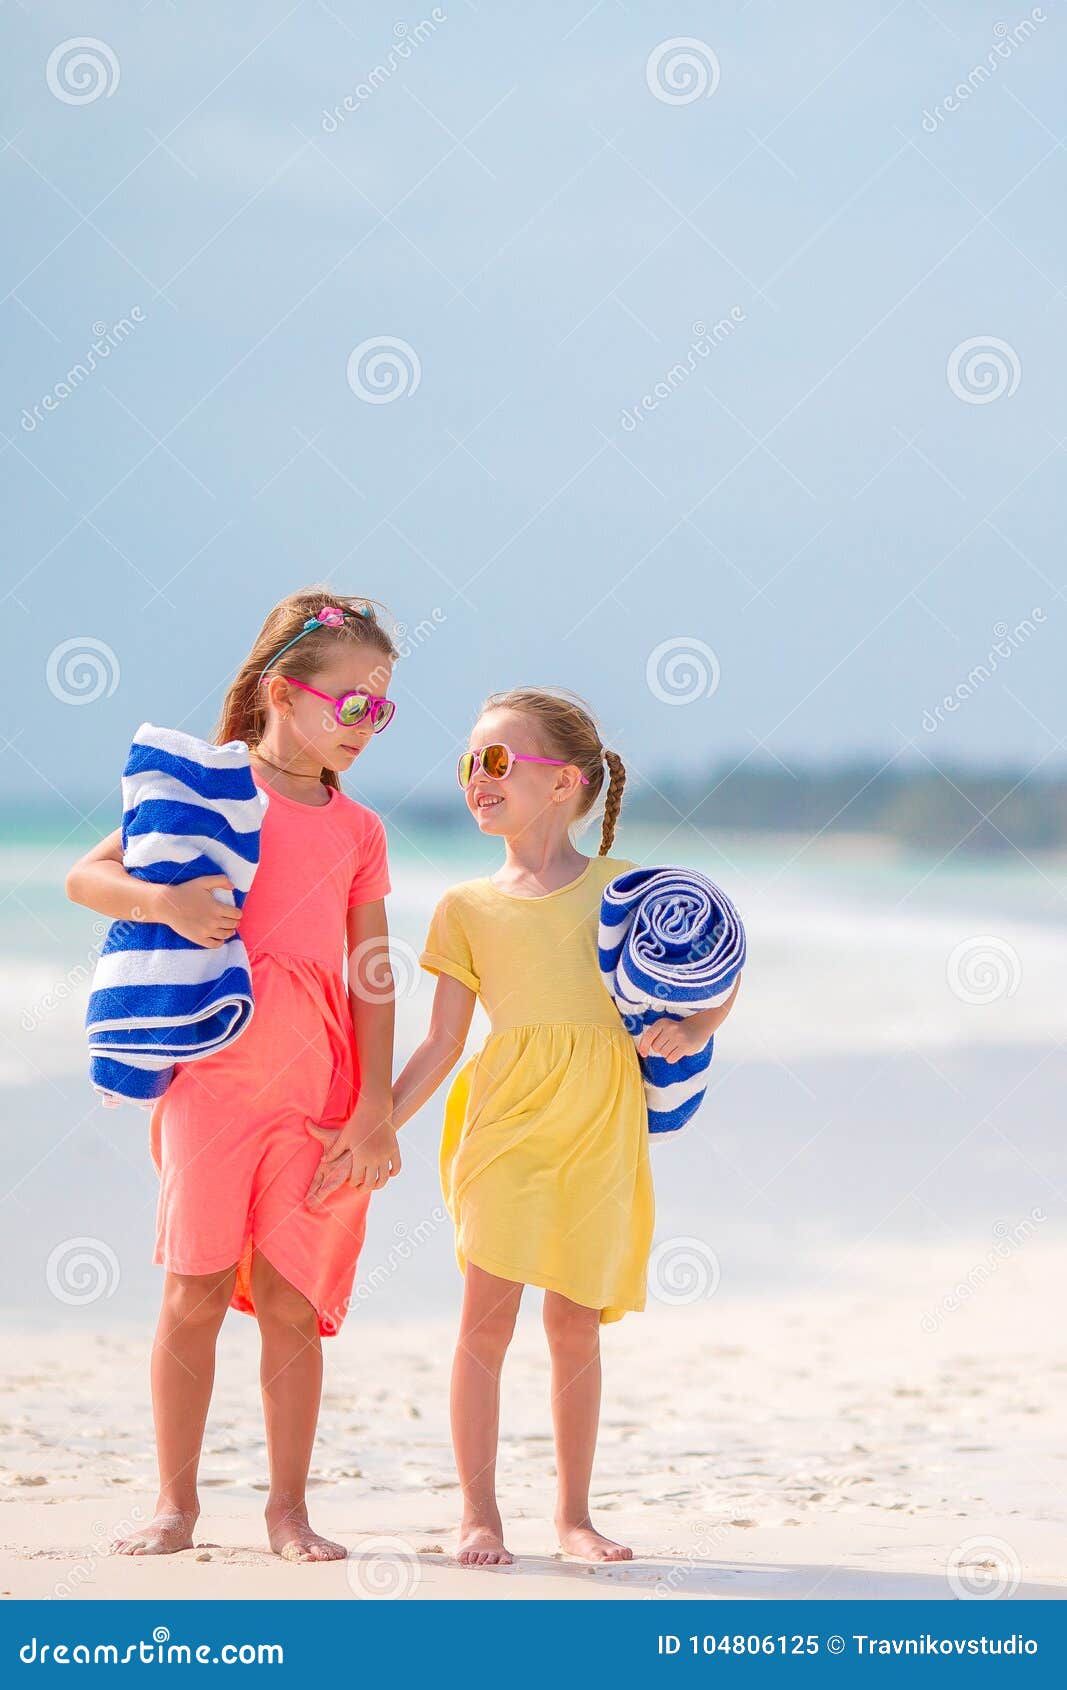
(363, 1153)
(194, 912)
(673, 1039)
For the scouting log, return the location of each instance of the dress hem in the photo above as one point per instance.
(608, 1311)
(329, 1325)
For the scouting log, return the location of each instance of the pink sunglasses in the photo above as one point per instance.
(497, 761)
(352, 707)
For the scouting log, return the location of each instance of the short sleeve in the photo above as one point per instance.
(371, 878)
(448, 949)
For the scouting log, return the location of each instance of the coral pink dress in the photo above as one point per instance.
(230, 1136)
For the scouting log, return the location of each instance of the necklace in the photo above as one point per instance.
(296, 775)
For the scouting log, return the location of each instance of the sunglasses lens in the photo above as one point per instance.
(386, 711)
(353, 709)
(495, 761)
(465, 768)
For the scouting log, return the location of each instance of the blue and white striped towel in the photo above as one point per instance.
(188, 809)
(670, 943)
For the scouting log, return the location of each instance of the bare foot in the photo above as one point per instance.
(583, 1540)
(169, 1531)
(481, 1544)
(292, 1538)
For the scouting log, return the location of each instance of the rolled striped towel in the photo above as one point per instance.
(188, 809)
(670, 943)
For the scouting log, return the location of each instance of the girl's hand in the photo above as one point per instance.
(193, 910)
(673, 1039)
(363, 1153)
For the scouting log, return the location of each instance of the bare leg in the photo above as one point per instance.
(183, 1373)
(291, 1380)
(574, 1342)
(490, 1306)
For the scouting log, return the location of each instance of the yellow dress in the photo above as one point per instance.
(544, 1156)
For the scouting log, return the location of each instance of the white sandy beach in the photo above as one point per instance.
(829, 1444)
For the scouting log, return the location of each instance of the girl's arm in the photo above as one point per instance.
(450, 1019)
(676, 1038)
(372, 999)
(364, 1152)
(100, 882)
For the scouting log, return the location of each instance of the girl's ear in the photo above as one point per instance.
(568, 782)
(277, 693)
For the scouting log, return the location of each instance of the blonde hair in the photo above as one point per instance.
(244, 711)
(564, 727)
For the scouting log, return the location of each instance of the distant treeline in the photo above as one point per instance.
(924, 807)
(930, 809)
(919, 806)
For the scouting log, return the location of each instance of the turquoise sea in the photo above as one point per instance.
(893, 1071)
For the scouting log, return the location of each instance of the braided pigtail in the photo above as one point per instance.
(612, 800)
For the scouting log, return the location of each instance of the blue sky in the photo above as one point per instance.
(828, 501)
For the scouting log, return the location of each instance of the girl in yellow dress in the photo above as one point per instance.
(544, 1157)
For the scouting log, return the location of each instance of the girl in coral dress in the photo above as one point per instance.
(268, 1151)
